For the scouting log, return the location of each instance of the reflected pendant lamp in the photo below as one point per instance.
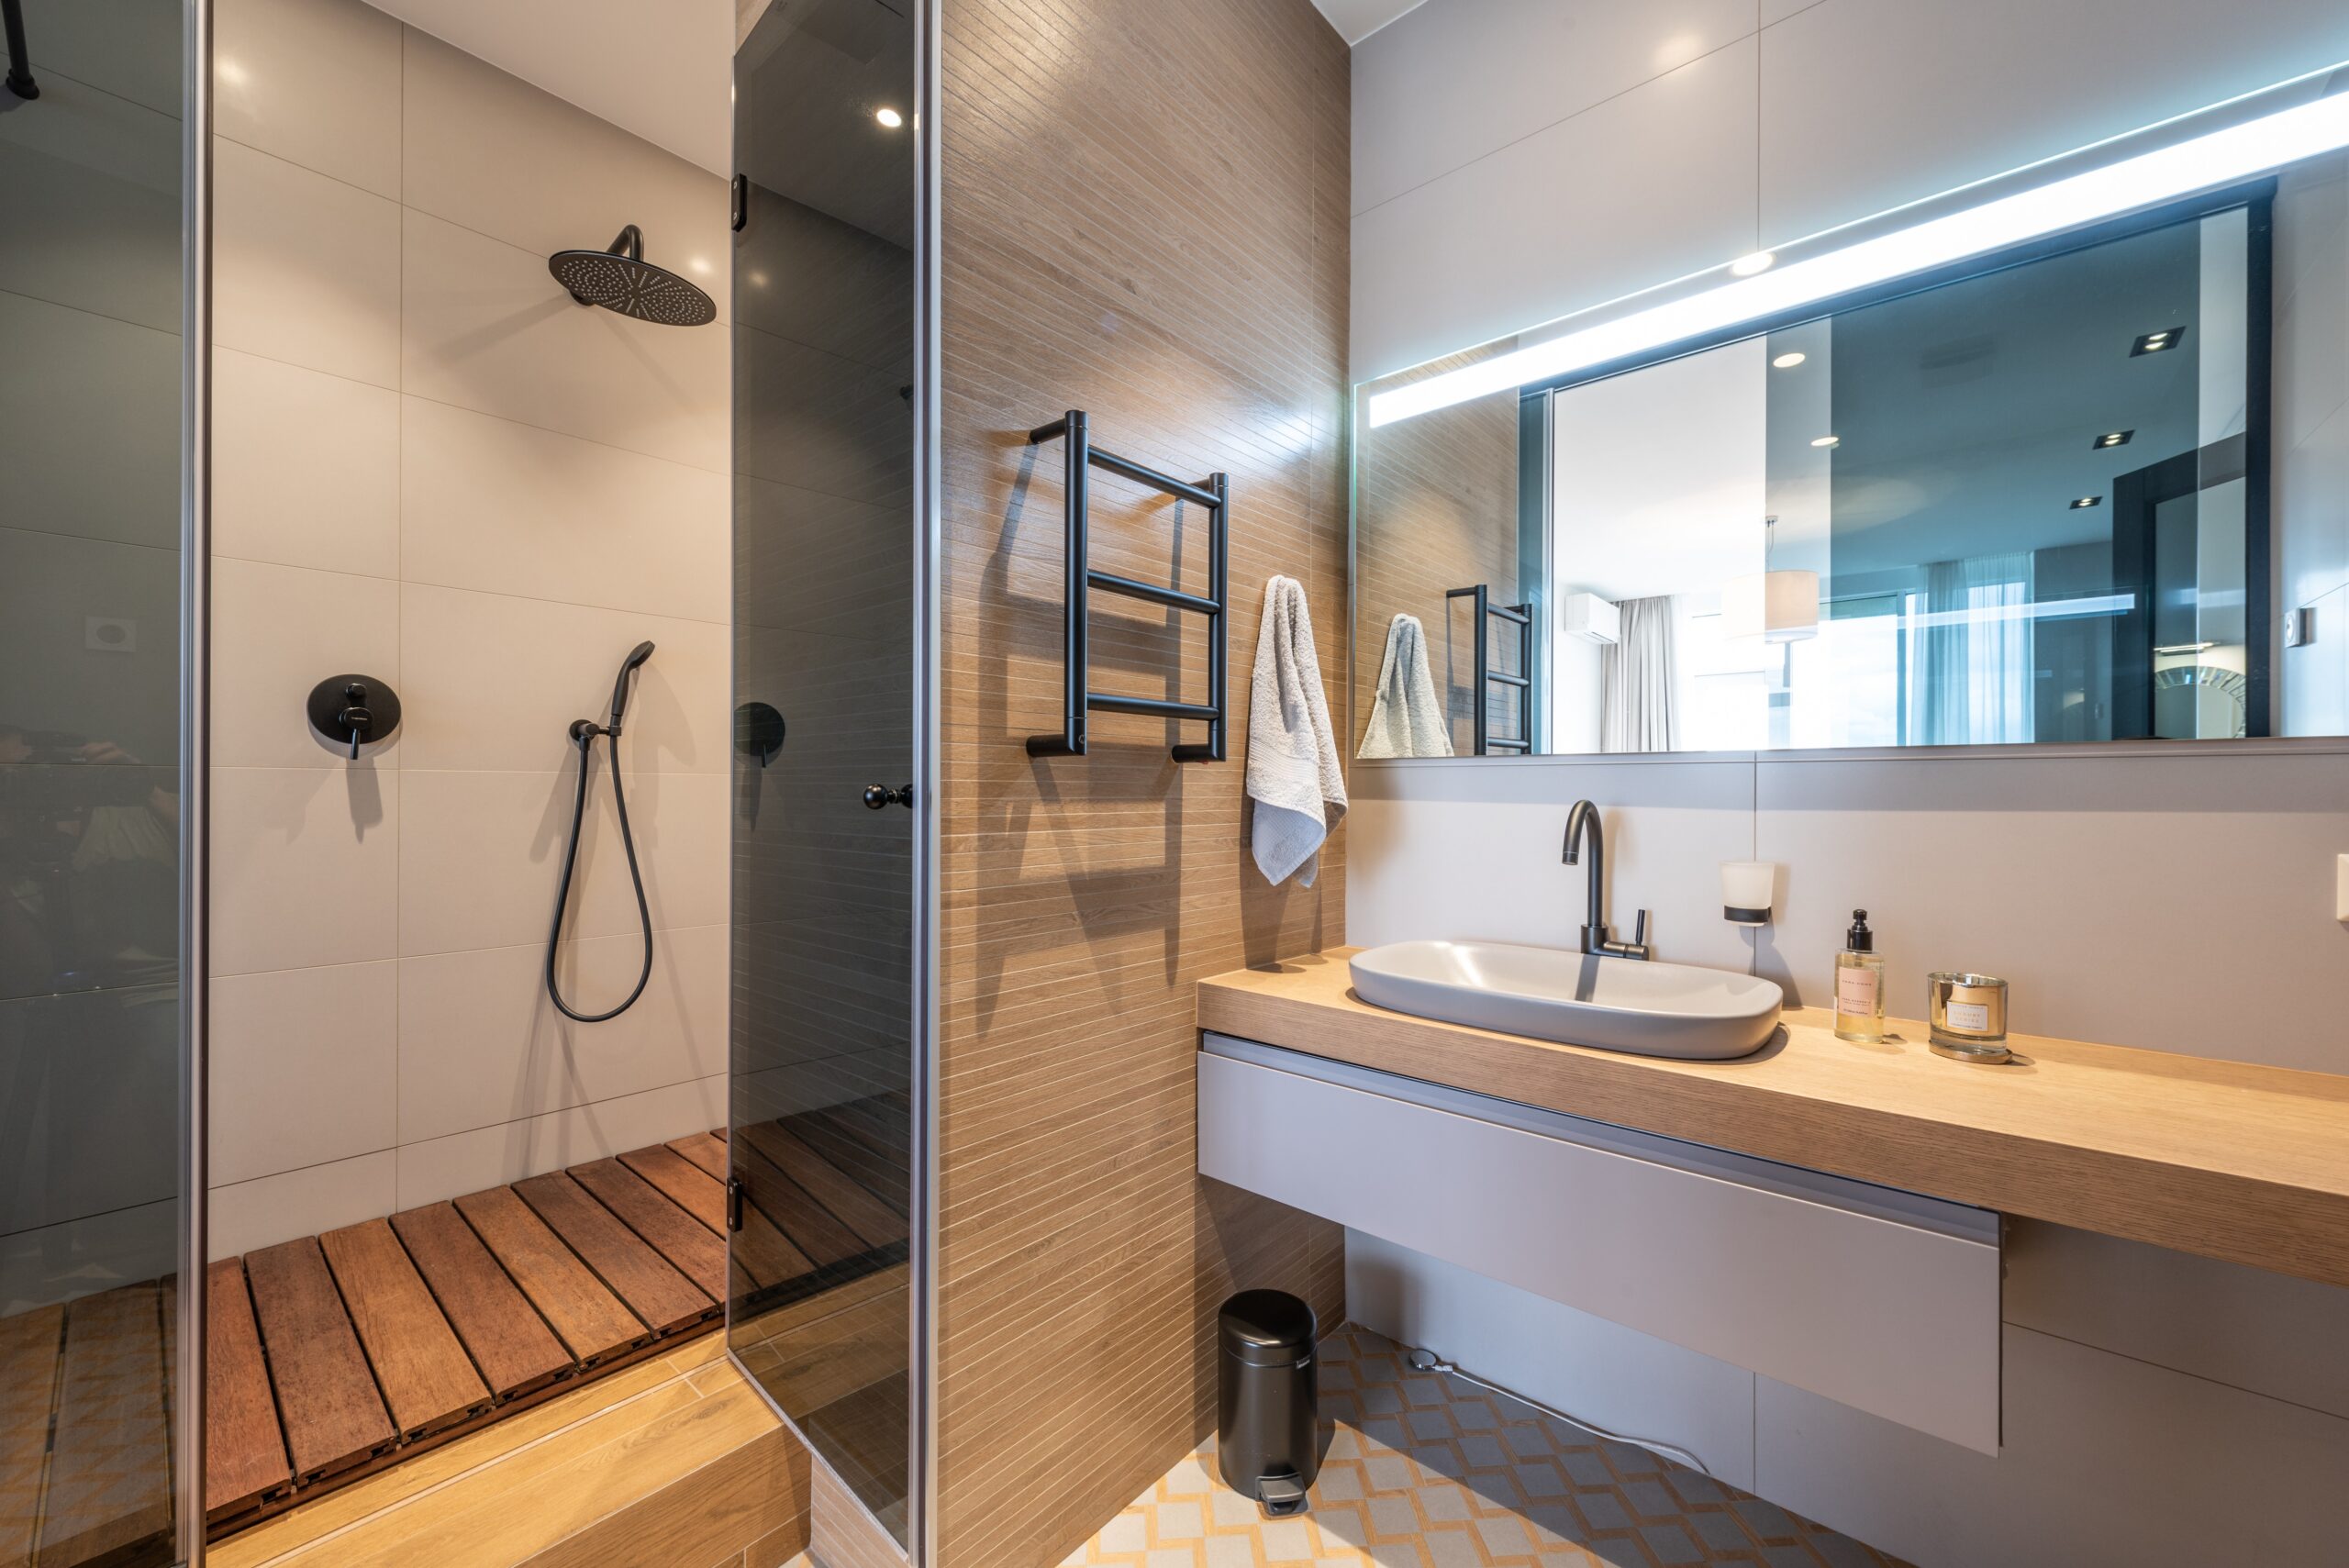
(1777, 606)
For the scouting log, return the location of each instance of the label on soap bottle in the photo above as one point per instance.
(1856, 991)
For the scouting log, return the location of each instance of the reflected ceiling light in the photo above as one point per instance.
(889, 117)
(1777, 606)
(2087, 501)
(1746, 266)
(2154, 343)
(1828, 441)
(2111, 439)
(2173, 649)
(1787, 362)
(2216, 158)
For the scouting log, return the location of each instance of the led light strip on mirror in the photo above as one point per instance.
(2218, 157)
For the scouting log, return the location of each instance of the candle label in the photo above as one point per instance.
(1974, 1016)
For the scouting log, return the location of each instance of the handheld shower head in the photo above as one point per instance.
(621, 279)
(628, 666)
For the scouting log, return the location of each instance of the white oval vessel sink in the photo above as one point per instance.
(1613, 1004)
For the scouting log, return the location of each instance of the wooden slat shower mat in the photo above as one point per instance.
(332, 1356)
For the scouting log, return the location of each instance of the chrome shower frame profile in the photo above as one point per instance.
(921, 1489)
(195, 773)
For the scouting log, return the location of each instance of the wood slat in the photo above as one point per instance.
(428, 1381)
(244, 1452)
(664, 1299)
(705, 1150)
(874, 1222)
(589, 1319)
(877, 1168)
(327, 1399)
(109, 1486)
(510, 1342)
(809, 1225)
(698, 1253)
(687, 1186)
(32, 1347)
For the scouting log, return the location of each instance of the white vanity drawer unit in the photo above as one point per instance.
(1885, 1300)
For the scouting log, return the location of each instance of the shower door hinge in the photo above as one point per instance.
(741, 201)
(734, 1203)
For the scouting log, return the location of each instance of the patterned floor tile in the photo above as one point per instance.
(1431, 1472)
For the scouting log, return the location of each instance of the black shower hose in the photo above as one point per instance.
(583, 735)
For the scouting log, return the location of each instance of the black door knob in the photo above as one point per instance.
(878, 795)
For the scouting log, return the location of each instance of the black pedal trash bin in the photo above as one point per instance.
(1267, 1415)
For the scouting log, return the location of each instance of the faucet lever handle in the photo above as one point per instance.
(1640, 930)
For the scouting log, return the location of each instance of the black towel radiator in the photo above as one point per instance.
(1077, 695)
(1487, 677)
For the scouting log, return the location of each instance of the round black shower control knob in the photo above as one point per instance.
(878, 795)
(352, 710)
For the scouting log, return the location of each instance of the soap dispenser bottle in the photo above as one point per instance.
(1859, 984)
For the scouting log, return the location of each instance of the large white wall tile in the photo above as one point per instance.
(315, 82)
(1870, 104)
(2106, 1460)
(94, 203)
(59, 672)
(304, 467)
(306, 268)
(305, 867)
(1448, 851)
(2174, 903)
(485, 327)
(1448, 83)
(1664, 172)
(277, 632)
(494, 681)
(491, 153)
(510, 508)
(268, 1209)
(481, 852)
(480, 1044)
(91, 408)
(304, 1066)
(441, 1168)
(133, 48)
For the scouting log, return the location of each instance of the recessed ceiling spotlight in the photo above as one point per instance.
(1828, 441)
(889, 117)
(2111, 439)
(1789, 362)
(2154, 343)
(2087, 501)
(1746, 266)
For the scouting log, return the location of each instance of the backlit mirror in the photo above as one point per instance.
(2088, 483)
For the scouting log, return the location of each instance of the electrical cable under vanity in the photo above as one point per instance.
(1421, 1359)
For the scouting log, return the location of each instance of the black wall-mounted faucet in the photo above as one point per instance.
(353, 710)
(1598, 940)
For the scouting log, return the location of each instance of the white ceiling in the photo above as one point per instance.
(663, 69)
(1357, 19)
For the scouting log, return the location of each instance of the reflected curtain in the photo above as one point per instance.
(1638, 683)
(1970, 666)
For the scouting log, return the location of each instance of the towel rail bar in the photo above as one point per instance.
(1079, 456)
(1487, 677)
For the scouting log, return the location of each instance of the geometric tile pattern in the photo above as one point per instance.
(1425, 1471)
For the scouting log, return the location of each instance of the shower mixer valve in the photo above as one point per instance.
(352, 710)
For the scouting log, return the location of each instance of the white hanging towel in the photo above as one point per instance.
(1405, 720)
(1293, 772)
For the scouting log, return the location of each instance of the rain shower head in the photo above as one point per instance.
(621, 279)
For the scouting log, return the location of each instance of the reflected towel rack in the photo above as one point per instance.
(1077, 695)
(1487, 677)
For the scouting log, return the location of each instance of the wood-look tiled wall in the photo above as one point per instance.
(1145, 216)
(1438, 507)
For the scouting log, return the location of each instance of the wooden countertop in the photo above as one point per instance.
(2246, 1164)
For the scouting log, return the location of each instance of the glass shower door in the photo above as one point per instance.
(91, 1196)
(823, 1044)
